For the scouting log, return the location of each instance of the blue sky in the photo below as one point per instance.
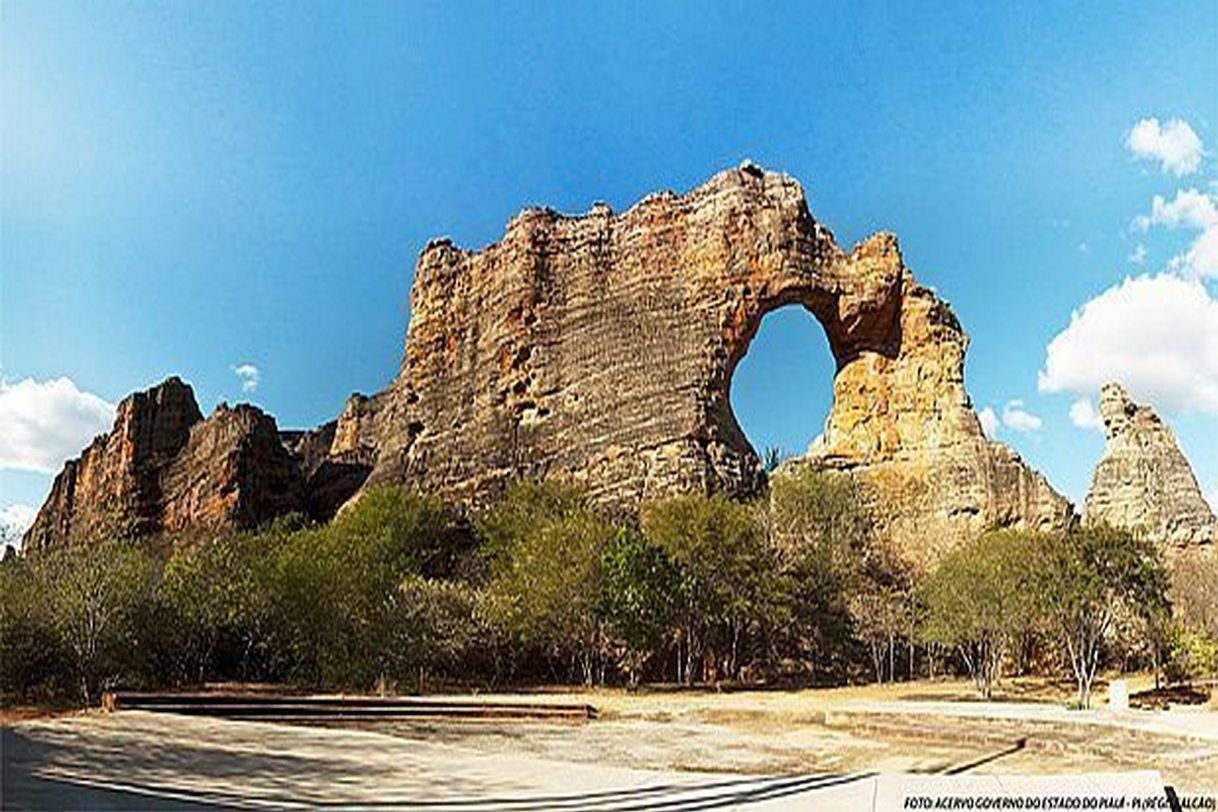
(194, 187)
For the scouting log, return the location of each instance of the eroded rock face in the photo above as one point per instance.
(337, 457)
(600, 348)
(163, 468)
(116, 479)
(1143, 483)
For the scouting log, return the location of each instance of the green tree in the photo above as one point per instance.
(31, 657)
(95, 594)
(433, 629)
(1193, 648)
(726, 581)
(546, 548)
(1088, 577)
(979, 601)
(335, 590)
(640, 582)
(823, 540)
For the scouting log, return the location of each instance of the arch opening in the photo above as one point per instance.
(781, 390)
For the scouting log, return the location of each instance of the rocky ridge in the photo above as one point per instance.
(600, 349)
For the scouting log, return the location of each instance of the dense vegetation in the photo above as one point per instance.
(402, 593)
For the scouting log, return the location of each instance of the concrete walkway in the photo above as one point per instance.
(1198, 724)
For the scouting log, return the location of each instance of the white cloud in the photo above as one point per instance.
(1138, 256)
(1174, 145)
(1202, 258)
(1212, 498)
(1158, 335)
(1016, 418)
(1192, 210)
(1188, 209)
(44, 423)
(14, 521)
(1084, 415)
(989, 421)
(249, 375)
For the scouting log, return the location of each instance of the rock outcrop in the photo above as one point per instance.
(163, 468)
(337, 457)
(1143, 483)
(599, 349)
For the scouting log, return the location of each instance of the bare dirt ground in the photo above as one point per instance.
(835, 749)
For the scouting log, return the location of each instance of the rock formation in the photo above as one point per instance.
(600, 348)
(1143, 483)
(165, 469)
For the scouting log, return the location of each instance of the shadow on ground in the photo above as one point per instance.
(65, 768)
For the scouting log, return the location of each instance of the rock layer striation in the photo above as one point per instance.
(163, 468)
(600, 349)
(1143, 483)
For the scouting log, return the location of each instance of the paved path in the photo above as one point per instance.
(137, 760)
(1191, 723)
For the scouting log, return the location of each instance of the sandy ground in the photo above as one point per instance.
(134, 760)
(921, 727)
(835, 749)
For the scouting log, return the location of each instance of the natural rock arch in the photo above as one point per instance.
(781, 389)
(599, 349)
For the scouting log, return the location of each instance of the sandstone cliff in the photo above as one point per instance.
(600, 348)
(164, 468)
(1143, 483)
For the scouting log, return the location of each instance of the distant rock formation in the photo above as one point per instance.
(163, 468)
(599, 349)
(1143, 483)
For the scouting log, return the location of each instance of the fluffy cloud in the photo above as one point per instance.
(44, 423)
(1192, 210)
(989, 421)
(14, 521)
(1158, 335)
(249, 375)
(1174, 145)
(1202, 258)
(1084, 415)
(1138, 256)
(1016, 418)
(1188, 209)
